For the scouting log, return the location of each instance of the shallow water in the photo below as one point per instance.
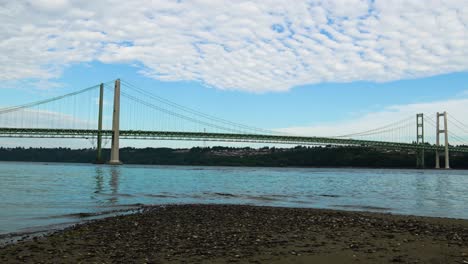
(36, 196)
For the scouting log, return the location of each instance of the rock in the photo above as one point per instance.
(397, 259)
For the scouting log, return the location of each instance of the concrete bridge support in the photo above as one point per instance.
(115, 160)
(99, 159)
(445, 132)
(420, 160)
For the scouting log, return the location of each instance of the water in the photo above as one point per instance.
(37, 196)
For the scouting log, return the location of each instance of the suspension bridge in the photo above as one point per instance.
(139, 114)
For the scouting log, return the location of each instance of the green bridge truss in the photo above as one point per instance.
(221, 137)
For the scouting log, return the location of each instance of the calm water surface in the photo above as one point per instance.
(38, 195)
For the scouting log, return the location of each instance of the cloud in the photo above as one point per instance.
(255, 46)
(457, 117)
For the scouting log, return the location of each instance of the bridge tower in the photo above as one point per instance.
(99, 135)
(445, 132)
(115, 160)
(420, 160)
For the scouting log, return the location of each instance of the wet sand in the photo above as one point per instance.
(249, 234)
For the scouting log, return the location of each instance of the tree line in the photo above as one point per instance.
(329, 156)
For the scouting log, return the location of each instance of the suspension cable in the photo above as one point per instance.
(175, 114)
(193, 111)
(28, 105)
(376, 130)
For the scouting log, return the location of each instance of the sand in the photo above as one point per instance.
(249, 234)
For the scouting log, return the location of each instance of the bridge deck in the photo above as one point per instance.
(224, 137)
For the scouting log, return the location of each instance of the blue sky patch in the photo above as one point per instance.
(278, 28)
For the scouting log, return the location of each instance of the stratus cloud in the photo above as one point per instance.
(456, 109)
(258, 46)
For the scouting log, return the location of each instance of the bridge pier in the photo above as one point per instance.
(420, 156)
(115, 160)
(99, 134)
(445, 132)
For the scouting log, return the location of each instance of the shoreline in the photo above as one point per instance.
(244, 233)
(236, 166)
(75, 219)
(293, 156)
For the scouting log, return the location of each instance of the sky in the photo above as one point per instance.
(310, 68)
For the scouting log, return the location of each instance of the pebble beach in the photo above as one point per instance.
(248, 234)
